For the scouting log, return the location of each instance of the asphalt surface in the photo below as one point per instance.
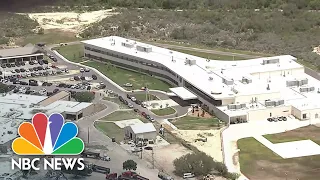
(117, 154)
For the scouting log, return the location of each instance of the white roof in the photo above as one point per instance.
(143, 128)
(183, 93)
(208, 75)
(19, 109)
(205, 75)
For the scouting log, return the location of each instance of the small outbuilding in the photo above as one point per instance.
(141, 131)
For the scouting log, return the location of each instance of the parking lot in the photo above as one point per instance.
(44, 78)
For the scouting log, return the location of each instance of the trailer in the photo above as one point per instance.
(100, 169)
(90, 154)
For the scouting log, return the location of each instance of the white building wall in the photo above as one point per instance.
(135, 64)
(147, 135)
(228, 101)
(265, 113)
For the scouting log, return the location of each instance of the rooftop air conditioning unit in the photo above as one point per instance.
(210, 78)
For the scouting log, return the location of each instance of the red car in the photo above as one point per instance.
(112, 176)
(143, 114)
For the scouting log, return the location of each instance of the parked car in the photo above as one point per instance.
(136, 110)
(143, 105)
(133, 98)
(125, 102)
(94, 77)
(76, 78)
(55, 91)
(3, 66)
(81, 70)
(137, 149)
(130, 105)
(87, 70)
(127, 85)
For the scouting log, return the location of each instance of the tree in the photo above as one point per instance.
(84, 96)
(197, 163)
(129, 165)
(4, 88)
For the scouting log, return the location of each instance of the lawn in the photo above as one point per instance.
(195, 123)
(210, 48)
(122, 76)
(122, 115)
(50, 37)
(111, 130)
(164, 111)
(209, 55)
(142, 97)
(72, 52)
(258, 162)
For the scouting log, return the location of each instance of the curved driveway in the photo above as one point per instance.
(118, 154)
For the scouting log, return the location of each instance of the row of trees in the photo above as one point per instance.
(292, 31)
(201, 164)
(192, 4)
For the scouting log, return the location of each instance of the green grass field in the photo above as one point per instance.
(72, 52)
(123, 115)
(111, 130)
(164, 111)
(195, 123)
(259, 162)
(209, 55)
(210, 48)
(122, 76)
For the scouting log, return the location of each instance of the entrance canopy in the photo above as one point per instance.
(183, 93)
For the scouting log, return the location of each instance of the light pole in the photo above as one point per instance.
(88, 135)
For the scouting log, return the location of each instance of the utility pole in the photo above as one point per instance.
(141, 152)
(152, 158)
(88, 135)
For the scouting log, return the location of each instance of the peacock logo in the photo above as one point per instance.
(48, 136)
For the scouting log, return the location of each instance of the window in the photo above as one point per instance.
(304, 116)
(316, 116)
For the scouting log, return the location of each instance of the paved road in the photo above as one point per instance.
(117, 154)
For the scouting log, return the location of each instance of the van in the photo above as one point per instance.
(188, 175)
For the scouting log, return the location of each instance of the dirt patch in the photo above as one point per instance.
(200, 112)
(70, 21)
(165, 155)
(213, 145)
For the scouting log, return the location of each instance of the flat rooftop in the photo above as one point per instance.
(208, 75)
(183, 93)
(21, 51)
(204, 74)
(16, 108)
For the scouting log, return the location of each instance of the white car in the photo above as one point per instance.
(81, 70)
(105, 158)
(130, 105)
(71, 79)
(127, 85)
(87, 70)
(133, 99)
